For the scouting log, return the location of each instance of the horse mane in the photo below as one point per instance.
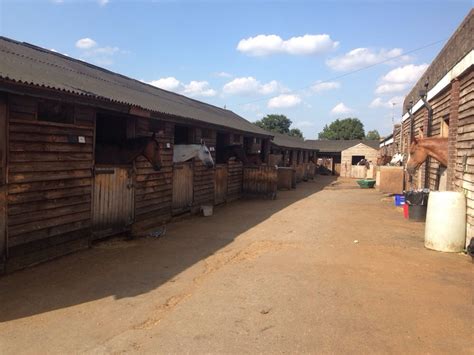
(135, 143)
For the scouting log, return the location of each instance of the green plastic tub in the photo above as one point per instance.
(366, 183)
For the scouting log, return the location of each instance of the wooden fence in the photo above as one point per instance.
(286, 178)
(260, 181)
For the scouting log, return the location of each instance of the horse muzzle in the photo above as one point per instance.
(411, 170)
(209, 165)
(157, 167)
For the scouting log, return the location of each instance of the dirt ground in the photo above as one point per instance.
(322, 269)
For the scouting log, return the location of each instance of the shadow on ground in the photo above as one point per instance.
(120, 269)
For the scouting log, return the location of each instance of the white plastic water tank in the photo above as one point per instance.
(445, 228)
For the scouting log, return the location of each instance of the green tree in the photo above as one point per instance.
(275, 123)
(295, 132)
(372, 135)
(343, 129)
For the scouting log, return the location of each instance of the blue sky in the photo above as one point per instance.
(254, 57)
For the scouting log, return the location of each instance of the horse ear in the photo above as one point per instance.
(154, 135)
(420, 133)
(203, 142)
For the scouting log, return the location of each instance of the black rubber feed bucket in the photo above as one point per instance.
(417, 213)
(417, 202)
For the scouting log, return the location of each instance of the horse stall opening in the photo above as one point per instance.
(113, 196)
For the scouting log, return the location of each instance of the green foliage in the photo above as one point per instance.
(295, 132)
(372, 135)
(343, 129)
(275, 123)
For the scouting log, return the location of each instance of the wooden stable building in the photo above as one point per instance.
(294, 152)
(344, 155)
(447, 86)
(56, 116)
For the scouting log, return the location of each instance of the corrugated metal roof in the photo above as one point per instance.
(286, 141)
(335, 146)
(28, 64)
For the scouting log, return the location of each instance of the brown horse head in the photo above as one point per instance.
(152, 152)
(421, 148)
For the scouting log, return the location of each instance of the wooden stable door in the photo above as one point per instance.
(3, 179)
(113, 204)
(182, 187)
(220, 184)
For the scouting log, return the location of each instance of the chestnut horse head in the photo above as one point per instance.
(151, 152)
(127, 151)
(421, 148)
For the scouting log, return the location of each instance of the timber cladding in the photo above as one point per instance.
(234, 179)
(153, 189)
(203, 176)
(464, 167)
(360, 149)
(49, 181)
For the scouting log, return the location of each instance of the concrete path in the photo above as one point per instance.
(323, 269)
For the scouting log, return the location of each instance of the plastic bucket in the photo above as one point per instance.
(446, 221)
(417, 213)
(207, 211)
(399, 200)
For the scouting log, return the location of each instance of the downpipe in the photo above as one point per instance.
(423, 96)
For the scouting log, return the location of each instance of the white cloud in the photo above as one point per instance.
(400, 79)
(103, 2)
(324, 86)
(198, 88)
(284, 101)
(86, 43)
(193, 89)
(263, 45)
(390, 87)
(170, 83)
(251, 107)
(91, 51)
(380, 103)
(247, 86)
(406, 74)
(304, 124)
(340, 109)
(362, 57)
(223, 74)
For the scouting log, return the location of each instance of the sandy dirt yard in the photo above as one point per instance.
(283, 276)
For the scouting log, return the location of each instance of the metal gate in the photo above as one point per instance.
(113, 203)
(182, 187)
(220, 184)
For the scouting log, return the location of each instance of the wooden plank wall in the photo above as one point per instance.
(3, 188)
(153, 189)
(203, 176)
(234, 179)
(464, 175)
(260, 181)
(441, 106)
(49, 183)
